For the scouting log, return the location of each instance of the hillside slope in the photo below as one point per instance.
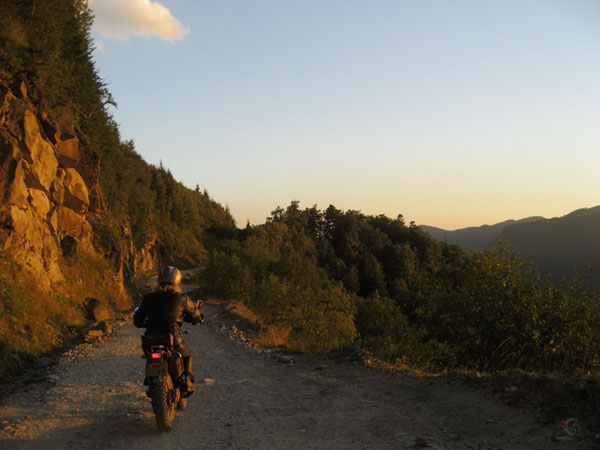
(81, 213)
(474, 238)
(55, 115)
(560, 242)
(557, 245)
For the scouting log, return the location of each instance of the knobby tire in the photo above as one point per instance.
(163, 406)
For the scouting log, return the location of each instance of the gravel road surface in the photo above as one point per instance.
(255, 399)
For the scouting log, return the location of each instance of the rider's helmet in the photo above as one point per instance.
(170, 275)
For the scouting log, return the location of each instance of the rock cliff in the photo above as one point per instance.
(50, 197)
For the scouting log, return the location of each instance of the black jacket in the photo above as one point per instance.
(166, 311)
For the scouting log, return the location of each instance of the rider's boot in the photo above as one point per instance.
(189, 376)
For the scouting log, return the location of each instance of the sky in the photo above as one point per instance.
(453, 113)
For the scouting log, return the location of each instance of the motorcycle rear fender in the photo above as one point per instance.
(156, 368)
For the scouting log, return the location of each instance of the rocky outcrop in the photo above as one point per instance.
(50, 198)
(49, 191)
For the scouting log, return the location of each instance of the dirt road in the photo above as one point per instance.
(252, 399)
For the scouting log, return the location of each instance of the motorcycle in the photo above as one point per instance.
(165, 378)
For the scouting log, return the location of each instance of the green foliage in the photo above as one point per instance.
(47, 45)
(31, 322)
(331, 277)
(388, 333)
(272, 269)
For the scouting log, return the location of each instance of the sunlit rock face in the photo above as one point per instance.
(49, 191)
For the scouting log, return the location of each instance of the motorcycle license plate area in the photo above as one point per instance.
(156, 368)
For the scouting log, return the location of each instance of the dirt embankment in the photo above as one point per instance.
(255, 399)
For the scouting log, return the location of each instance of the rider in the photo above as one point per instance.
(165, 310)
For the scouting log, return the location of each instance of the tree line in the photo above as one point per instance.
(48, 46)
(333, 278)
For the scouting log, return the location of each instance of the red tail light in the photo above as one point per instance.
(155, 355)
(171, 336)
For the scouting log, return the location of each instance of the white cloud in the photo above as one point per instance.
(123, 18)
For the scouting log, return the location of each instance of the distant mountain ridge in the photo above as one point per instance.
(556, 244)
(559, 243)
(474, 238)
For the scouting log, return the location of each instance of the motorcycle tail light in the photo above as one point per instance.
(171, 336)
(155, 355)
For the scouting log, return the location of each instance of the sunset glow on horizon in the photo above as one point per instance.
(453, 114)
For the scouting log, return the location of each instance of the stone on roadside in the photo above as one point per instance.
(102, 326)
(93, 334)
(96, 310)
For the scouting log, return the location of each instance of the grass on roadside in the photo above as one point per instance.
(33, 322)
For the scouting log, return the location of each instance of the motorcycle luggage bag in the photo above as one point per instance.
(154, 340)
(176, 366)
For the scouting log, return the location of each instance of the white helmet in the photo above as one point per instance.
(170, 275)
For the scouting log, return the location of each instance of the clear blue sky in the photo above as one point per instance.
(452, 113)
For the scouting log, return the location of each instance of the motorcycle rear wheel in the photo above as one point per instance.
(162, 403)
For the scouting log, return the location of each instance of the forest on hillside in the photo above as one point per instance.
(48, 45)
(332, 278)
(46, 56)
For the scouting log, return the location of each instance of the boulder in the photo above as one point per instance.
(58, 187)
(96, 310)
(68, 152)
(92, 334)
(17, 190)
(39, 154)
(50, 254)
(51, 130)
(102, 326)
(53, 221)
(39, 202)
(51, 250)
(76, 194)
(27, 228)
(69, 222)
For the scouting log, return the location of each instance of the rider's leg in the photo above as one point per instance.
(186, 356)
(187, 366)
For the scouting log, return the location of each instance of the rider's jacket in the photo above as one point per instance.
(161, 311)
